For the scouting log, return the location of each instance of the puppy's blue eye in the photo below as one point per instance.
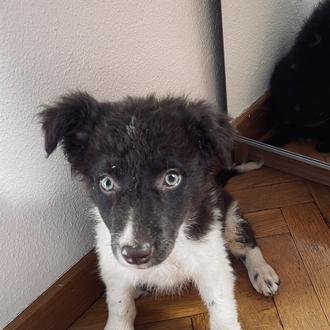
(106, 184)
(172, 179)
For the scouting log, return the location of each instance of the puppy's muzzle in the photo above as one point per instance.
(138, 254)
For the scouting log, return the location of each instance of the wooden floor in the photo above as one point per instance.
(291, 219)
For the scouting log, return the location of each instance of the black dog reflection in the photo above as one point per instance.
(300, 85)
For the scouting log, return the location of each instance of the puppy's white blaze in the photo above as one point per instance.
(249, 166)
(127, 236)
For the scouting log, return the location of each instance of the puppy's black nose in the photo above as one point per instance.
(137, 255)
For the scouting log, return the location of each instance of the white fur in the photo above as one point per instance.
(266, 281)
(127, 238)
(249, 166)
(203, 261)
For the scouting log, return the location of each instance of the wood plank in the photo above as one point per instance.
(274, 196)
(200, 322)
(67, 299)
(267, 223)
(312, 238)
(159, 308)
(321, 195)
(95, 318)
(263, 177)
(296, 301)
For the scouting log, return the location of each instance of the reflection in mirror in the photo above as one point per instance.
(279, 53)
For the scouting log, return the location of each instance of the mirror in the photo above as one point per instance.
(286, 109)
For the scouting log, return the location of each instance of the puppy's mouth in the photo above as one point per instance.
(136, 266)
(131, 263)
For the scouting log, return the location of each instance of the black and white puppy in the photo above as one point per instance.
(300, 85)
(162, 218)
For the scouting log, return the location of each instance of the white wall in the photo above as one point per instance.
(307, 6)
(256, 34)
(110, 48)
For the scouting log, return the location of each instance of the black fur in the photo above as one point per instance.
(135, 142)
(300, 85)
(225, 175)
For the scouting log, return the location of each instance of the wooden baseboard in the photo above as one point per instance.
(253, 123)
(65, 301)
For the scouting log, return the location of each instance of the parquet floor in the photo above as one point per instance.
(291, 219)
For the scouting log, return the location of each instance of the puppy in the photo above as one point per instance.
(162, 219)
(300, 85)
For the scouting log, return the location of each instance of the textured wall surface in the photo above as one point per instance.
(307, 7)
(256, 34)
(110, 48)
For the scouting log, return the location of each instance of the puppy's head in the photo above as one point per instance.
(150, 166)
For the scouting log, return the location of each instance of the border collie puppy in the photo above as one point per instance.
(162, 219)
(300, 85)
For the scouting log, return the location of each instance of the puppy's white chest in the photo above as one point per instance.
(179, 267)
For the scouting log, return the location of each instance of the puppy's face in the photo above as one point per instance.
(149, 165)
(145, 196)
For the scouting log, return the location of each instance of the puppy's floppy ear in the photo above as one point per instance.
(213, 133)
(69, 122)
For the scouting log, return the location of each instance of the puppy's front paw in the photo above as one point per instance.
(265, 280)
